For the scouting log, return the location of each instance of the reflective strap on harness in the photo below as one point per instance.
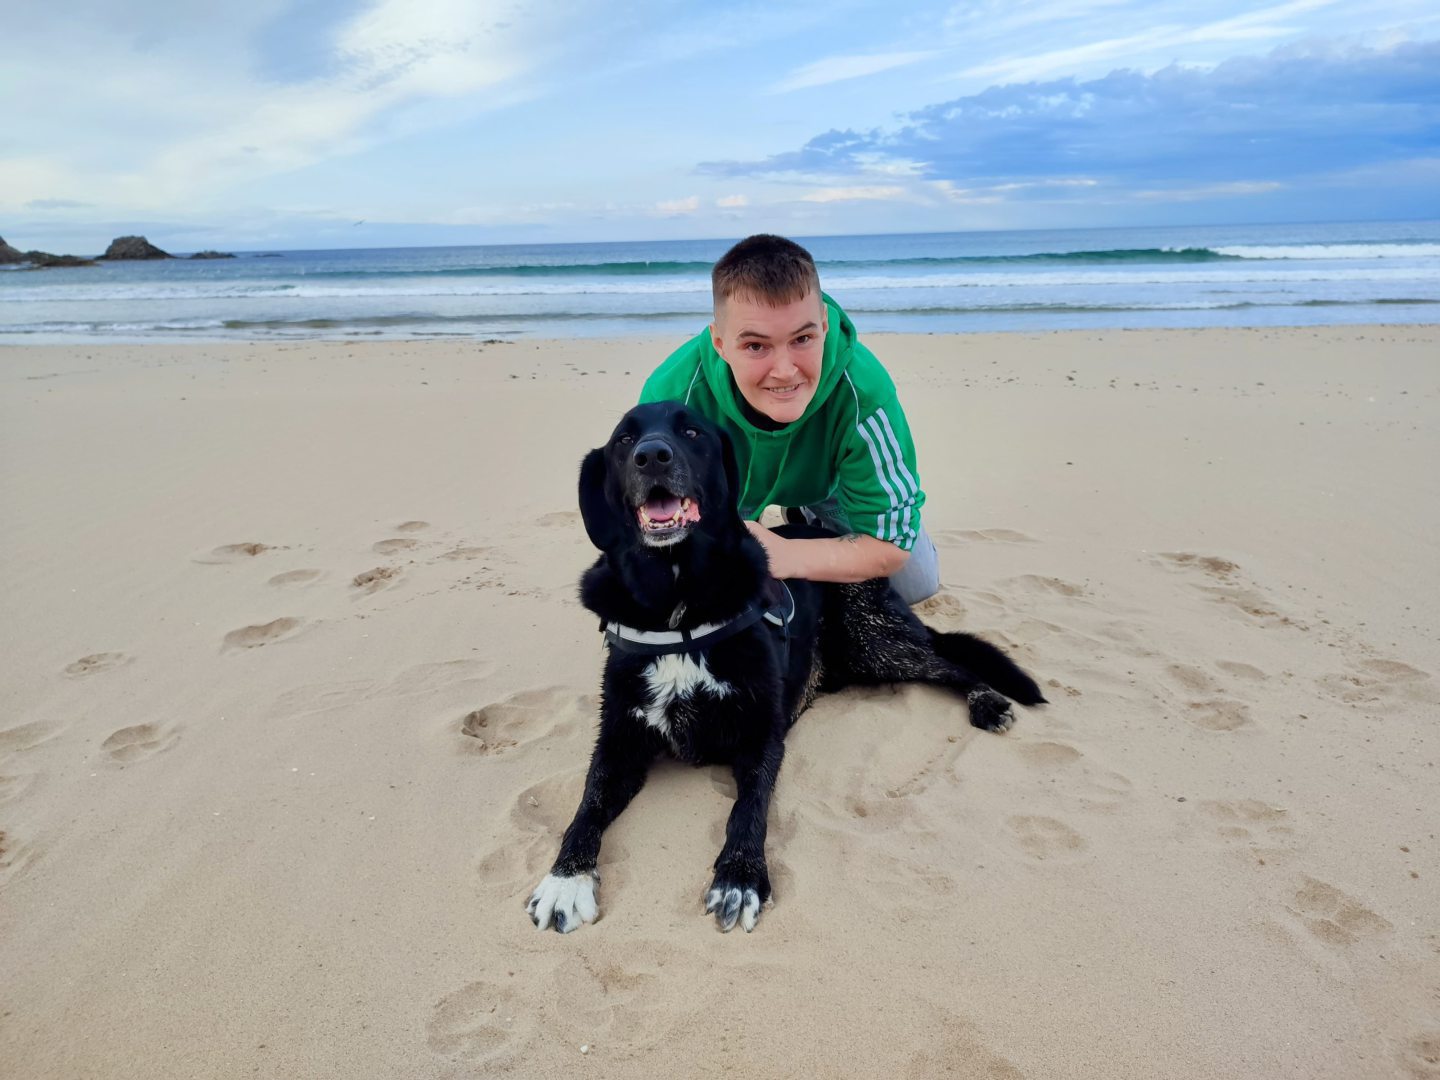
(667, 642)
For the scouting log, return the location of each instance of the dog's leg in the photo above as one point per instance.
(566, 898)
(873, 638)
(742, 878)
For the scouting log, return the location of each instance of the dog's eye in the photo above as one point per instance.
(626, 440)
(691, 433)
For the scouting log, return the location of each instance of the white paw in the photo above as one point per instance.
(729, 903)
(564, 902)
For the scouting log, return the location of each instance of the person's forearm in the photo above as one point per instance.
(843, 558)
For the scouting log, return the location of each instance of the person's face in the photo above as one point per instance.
(773, 352)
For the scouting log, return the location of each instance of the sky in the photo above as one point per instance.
(374, 123)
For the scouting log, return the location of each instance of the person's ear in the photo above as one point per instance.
(602, 521)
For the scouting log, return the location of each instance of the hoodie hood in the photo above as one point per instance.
(839, 347)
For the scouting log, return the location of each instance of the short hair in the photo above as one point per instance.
(767, 268)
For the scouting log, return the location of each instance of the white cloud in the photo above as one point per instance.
(1151, 48)
(1232, 189)
(856, 194)
(838, 68)
(679, 206)
(728, 202)
(190, 120)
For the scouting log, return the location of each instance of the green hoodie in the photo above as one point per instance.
(852, 442)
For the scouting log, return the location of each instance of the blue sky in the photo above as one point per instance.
(282, 124)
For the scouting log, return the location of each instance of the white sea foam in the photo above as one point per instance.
(1234, 274)
(1331, 251)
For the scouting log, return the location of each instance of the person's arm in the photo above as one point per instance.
(855, 557)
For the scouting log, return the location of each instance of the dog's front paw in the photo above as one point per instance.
(564, 902)
(737, 892)
(990, 711)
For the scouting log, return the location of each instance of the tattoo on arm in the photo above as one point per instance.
(851, 538)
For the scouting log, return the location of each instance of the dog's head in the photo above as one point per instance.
(665, 473)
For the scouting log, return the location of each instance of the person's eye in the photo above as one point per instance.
(755, 348)
(804, 339)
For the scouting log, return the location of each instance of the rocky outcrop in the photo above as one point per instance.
(212, 255)
(133, 247)
(39, 260)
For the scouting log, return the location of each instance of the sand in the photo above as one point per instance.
(297, 699)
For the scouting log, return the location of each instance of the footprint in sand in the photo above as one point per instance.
(234, 553)
(253, 637)
(23, 737)
(96, 662)
(608, 1003)
(1064, 688)
(1040, 584)
(394, 546)
(1191, 679)
(412, 526)
(1248, 672)
(130, 744)
(466, 553)
(483, 1023)
(1252, 827)
(1214, 712)
(1419, 1056)
(1332, 916)
(994, 536)
(372, 581)
(15, 787)
(957, 1048)
(1377, 683)
(1223, 582)
(296, 577)
(15, 857)
(559, 519)
(538, 818)
(1218, 714)
(1048, 754)
(522, 718)
(1046, 838)
(942, 611)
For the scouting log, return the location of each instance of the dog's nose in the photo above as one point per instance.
(652, 455)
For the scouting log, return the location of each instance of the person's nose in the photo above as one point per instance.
(784, 366)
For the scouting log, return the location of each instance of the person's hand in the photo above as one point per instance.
(777, 549)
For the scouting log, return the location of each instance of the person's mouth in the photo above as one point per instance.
(782, 391)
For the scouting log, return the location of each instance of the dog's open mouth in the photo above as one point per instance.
(665, 515)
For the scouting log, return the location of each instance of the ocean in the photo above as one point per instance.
(1192, 276)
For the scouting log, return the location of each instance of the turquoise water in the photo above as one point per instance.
(1259, 275)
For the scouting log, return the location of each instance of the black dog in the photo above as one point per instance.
(712, 660)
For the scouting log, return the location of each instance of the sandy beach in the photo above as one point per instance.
(298, 699)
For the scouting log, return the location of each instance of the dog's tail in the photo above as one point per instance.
(989, 664)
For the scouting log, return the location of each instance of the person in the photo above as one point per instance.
(814, 418)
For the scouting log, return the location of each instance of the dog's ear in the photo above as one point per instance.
(732, 470)
(600, 520)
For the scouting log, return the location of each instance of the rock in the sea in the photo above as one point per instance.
(133, 247)
(41, 259)
(212, 255)
(9, 254)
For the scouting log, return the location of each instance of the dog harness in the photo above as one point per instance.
(778, 614)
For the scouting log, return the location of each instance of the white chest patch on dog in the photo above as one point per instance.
(673, 678)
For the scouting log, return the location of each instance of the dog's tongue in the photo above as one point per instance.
(662, 509)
